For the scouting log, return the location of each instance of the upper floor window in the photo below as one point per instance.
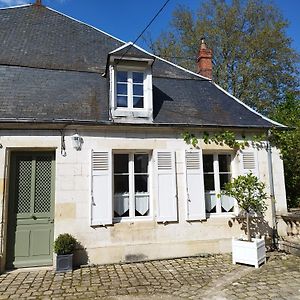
(131, 93)
(217, 172)
(130, 89)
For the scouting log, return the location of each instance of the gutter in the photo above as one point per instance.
(68, 122)
(272, 194)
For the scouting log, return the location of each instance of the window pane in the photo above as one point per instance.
(141, 183)
(141, 163)
(122, 88)
(227, 203)
(208, 163)
(121, 206)
(138, 90)
(122, 101)
(209, 183)
(138, 102)
(142, 205)
(224, 163)
(224, 178)
(210, 203)
(121, 184)
(121, 76)
(121, 163)
(138, 77)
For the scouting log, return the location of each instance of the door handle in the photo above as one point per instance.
(33, 217)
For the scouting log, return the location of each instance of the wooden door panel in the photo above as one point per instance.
(31, 209)
(40, 240)
(22, 248)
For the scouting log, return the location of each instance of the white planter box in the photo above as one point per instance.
(251, 253)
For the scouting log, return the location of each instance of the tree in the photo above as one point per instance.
(253, 58)
(288, 113)
(249, 194)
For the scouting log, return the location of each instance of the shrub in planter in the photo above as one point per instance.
(64, 246)
(250, 195)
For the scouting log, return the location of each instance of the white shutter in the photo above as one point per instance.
(249, 162)
(166, 186)
(195, 186)
(101, 204)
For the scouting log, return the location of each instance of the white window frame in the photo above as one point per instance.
(131, 112)
(132, 193)
(217, 190)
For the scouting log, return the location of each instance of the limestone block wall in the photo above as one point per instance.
(128, 240)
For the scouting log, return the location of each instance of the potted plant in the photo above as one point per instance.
(64, 246)
(250, 195)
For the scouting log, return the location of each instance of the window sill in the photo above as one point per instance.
(221, 215)
(132, 220)
(132, 113)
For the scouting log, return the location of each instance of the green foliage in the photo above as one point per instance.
(190, 139)
(253, 57)
(249, 194)
(288, 141)
(64, 244)
(224, 138)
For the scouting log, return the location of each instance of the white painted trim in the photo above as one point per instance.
(248, 107)
(95, 28)
(122, 47)
(16, 6)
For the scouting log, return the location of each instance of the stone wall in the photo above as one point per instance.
(131, 240)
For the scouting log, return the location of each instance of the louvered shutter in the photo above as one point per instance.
(249, 162)
(195, 186)
(166, 186)
(101, 204)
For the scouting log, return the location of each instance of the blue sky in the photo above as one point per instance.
(126, 19)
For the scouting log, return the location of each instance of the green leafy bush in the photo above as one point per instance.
(250, 195)
(64, 244)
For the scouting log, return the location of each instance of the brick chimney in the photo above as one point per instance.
(38, 2)
(204, 60)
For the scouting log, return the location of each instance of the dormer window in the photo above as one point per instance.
(130, 85)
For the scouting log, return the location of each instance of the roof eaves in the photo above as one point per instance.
(249, 108)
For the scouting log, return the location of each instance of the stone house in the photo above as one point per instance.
(91, 144)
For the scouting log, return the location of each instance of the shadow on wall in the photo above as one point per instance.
(258, 227)
(81, 256)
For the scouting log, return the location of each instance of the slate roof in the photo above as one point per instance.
(51, 69)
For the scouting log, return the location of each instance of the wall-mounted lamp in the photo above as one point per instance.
(77, 141)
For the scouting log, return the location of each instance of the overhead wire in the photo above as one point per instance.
(149, 24)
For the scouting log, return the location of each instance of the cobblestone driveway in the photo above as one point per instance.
(211, 277)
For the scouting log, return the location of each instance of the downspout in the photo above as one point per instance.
(272, 194)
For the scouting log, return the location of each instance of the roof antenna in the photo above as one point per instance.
(38, 2)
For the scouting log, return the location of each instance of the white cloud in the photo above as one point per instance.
(4, 3)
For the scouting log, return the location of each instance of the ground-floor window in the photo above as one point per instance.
(217, 171)
(131, 185)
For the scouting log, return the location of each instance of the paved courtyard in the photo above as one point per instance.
(207, 277)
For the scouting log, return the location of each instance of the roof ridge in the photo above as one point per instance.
(248, 107)
(83, 23)
(16, 6)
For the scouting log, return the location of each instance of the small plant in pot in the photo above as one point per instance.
(250, 195)
(64, 247)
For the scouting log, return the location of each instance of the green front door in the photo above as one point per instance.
(31, 203)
